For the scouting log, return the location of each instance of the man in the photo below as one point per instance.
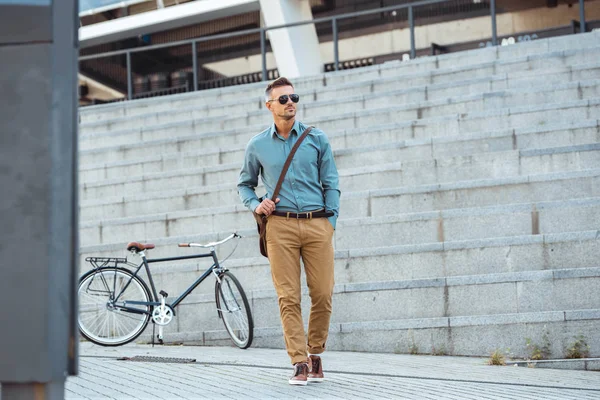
(301, 222)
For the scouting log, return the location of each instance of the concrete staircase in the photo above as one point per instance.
(470, 208)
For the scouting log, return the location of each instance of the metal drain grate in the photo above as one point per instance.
(166, 360)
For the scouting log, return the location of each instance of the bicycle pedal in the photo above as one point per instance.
(163, 293)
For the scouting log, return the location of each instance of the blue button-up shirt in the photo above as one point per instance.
(311, 182)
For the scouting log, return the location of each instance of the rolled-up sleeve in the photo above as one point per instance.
(248, 180)
(329, 177)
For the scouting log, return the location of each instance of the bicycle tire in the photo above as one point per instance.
(234, 310)
(110, 326)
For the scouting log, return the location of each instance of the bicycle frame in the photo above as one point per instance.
(214, 268)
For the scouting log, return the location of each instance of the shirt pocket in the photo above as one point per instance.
(306, 160)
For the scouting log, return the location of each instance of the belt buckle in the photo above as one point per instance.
(305, 215)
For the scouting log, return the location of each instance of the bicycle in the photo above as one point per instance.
(115, 304)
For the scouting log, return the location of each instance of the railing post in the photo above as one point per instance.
(129, 83)
(195, 64)
(336, 51)
(494, 27)
(582, 28)
(263, 53)
(411, 22)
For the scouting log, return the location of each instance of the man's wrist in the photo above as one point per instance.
(254, 205)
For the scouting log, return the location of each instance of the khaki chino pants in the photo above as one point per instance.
(287, 240)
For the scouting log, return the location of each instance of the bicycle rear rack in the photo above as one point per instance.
(100, 262)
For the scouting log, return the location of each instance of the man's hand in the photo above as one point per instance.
(266, 207)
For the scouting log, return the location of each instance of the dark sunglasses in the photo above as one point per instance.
(283, 99)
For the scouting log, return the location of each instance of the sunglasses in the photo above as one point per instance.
(283, 99)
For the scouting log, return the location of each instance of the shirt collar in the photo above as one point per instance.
(295, 128)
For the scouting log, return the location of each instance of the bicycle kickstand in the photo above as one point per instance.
(163, 298)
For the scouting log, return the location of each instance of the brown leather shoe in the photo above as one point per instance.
(316, 372)
(300, 376)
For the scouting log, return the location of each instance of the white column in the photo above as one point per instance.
(296, 49)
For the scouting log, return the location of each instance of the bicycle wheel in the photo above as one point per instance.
(105, 323)
(234, 310)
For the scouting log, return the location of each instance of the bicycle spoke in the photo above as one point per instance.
(234, 310)
(101, 320)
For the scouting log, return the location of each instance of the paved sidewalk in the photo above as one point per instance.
(227, 372)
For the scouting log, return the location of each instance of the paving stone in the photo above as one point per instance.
(225, 372)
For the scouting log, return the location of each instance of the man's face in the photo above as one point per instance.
(285, 111)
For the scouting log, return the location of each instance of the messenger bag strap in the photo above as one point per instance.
(288, 162)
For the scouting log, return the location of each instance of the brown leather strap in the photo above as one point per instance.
(288, 162)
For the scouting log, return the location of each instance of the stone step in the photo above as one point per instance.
(411, 89)
(468, 194)
(480, 101)
(421, 265)
(468, 223)
(403, 261)
(463, 168)
(399, 174)
(183, 135)
(416, 108)
(246, 248)
(536, 52)
(431, 65)
(414, 172)
(584, 132)
(114, 152)
(162, 154)
(373, 156)
(464, 335)
(437, 85)
(465, 300)
(421, 227)
(118, 152)
(566, 138)
(534, 291)
(168, 155)
(523, 292)
(580, 137)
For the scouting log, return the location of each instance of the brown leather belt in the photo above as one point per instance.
(304, 215)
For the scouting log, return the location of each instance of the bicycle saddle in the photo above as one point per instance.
(139, 246)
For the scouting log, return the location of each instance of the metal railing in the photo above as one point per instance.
(334, 26)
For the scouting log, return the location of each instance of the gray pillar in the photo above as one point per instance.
(38, 201)
(411, 23)
(582, 24)
(494, 23)
(336, 48)
(26, 391)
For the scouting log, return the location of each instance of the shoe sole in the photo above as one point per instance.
(298, 383)
(316, 380)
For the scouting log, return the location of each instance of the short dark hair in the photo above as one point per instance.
(281, 81)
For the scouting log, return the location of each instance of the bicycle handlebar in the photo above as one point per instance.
(211, 244)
